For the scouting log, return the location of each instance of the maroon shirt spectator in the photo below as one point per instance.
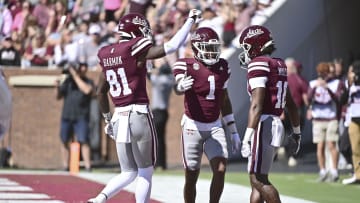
(42, 13)
(298, 87)
(38, 53)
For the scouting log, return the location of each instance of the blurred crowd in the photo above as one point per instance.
(51, 33)
(327, 101)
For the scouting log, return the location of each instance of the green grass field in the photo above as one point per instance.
(298, 185)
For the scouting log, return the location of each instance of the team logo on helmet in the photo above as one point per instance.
(139, 21)
(253, 33)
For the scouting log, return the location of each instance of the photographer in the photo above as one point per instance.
(352, 95)
(76, 91)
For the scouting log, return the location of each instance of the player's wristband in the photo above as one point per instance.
(230, 123)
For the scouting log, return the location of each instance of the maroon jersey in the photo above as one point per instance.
(270, 73)
(203, 101)
(127, 81)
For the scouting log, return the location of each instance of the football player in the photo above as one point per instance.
(5, 106)
(267, 87)
(203, 82)
(124, 79)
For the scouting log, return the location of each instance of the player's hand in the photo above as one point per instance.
(294, 143)
(246, 145)
(196, 15)
(108, 129)
(185, 84)
(245, 149)
(235, 142)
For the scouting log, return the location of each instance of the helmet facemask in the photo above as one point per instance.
(147, 32)
(208, 52)
(244, 55)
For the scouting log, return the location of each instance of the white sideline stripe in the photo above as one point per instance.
(15, 188)
(31, 201)
(7, 182)
(9, 195)
(168, 189)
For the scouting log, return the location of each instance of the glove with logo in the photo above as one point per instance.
(185, 84)
(196, 15)
(294, 143)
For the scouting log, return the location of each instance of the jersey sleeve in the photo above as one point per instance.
(258, 73)
(140, 46)
(179, 69)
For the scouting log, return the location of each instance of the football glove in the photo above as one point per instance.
(108, 129)
(185, 84)
(246, 145)
(235, 142)
(294, 143)
(196, 15)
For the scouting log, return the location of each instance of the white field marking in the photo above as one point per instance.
(168, 189)
(15, 188)
(31, 201)
(7, 182)
(9, 195)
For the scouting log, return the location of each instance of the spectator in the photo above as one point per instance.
(9, 56)
(6, 21)
(162, 83)
(140, 6)
(18, 23)
(246, 10)
(88, 49)
(344, 140)
(58, 18)
(86, 10)
(324, 94)
(42, 12)
(298, 89)
(353, 95)
(67, 50)
(38, 53)
(229, 14)
(76, 91)
(114, 9)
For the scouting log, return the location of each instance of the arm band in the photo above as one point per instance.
(230, 123)
(178, 39)
(296, 130)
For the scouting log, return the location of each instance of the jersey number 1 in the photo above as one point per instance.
(115, 87)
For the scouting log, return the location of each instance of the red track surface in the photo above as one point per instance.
(67, 188)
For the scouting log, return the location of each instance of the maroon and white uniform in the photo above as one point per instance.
(201, 126)
(119, 64)
(127, 83)
(271, 74)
